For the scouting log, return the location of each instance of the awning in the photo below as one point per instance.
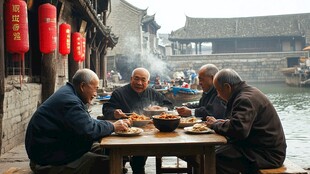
(87, 10)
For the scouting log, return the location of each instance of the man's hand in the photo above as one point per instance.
(121, 125)
(118, 113)
(184, 111)
(210, 120)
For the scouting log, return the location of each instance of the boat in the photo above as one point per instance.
(103, 99)
(179, 95)
(298, 75)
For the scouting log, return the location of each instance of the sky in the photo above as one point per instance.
(171, 14)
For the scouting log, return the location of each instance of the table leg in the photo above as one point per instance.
(116, 161)
(209, 163)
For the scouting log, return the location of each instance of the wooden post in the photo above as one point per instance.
(48, 75)
(72, 67)
(2, 72)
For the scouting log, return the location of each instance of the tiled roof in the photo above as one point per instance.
(245, 27)
(150, 19)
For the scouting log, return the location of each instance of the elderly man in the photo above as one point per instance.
(255, 135)
(61, 135)
(209, 104)
(134, 97)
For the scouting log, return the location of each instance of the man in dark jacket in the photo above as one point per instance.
(61, 134)
(134, 97)
(252, 126)
(209, 104)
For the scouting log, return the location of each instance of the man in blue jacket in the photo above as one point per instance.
(61, 135)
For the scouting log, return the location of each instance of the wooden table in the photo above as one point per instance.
(154, 143)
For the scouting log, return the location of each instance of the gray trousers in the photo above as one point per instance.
(92, 162)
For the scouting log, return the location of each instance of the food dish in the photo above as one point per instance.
(154, 110)
(188, 121)
(198, 129)
(133, 131)
(166, 123)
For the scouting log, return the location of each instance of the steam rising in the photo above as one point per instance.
(133, 59)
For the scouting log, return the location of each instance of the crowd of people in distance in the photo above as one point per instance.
(62, 137)
(186, 79)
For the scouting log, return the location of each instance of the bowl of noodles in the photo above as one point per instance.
(166, 122)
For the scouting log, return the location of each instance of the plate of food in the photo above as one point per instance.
(188, 121)
(198, 128)
(139, 120)
(132, 131)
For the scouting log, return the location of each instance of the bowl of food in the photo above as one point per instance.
(139, 120)
(154, 110)
(166, 122)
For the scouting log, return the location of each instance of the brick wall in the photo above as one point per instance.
(18, 107)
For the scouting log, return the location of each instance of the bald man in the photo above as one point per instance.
(62, 137)
(209, 104)
(252, 126)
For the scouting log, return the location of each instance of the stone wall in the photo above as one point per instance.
(18, 107)
(252, 67)
(126, 22)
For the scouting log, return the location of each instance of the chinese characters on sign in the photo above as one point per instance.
(15, 21)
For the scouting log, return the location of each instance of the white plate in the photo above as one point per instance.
(134, 132)
(186, 124)
(190, 130)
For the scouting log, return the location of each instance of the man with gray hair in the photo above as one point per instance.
(209, 104)
(252, 126)
(62, 137)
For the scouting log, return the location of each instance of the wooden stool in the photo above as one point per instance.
(160, 169)
(288, 167)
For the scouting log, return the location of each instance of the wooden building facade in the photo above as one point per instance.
(279, 33)
(25, 85)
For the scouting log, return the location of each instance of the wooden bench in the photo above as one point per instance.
(18, 170)
(287, 168)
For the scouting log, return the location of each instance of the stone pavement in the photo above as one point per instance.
(17, 161)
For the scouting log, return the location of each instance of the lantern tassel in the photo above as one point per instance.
(23, 66)
(20, 72)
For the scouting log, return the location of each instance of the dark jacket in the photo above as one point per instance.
(254, 127)
(61, 130)
(209, 105)
(126, 99)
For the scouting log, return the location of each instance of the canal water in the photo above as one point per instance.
(293, 107)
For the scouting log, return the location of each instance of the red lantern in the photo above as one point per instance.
(16, 26)
(64, 38)
(83, 48)
(77, 46)
(47, 28)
